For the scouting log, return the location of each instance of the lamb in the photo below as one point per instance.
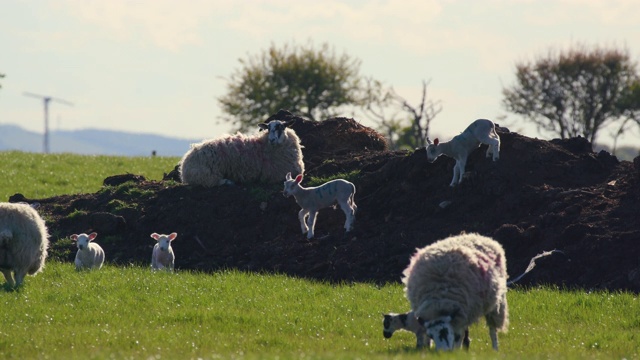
(452, 283)
(480, 131)
(90, 255)
(23, 242)
(312, 199)
(405, 321)
(163, 256)
(264, 157)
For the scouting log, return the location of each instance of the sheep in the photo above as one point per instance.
(264, 157)
(405, 321)
(90, 255)
(452, 283)
(312, 199)
(480, 131)
(23, 242)
(408, 321)
(163, 256)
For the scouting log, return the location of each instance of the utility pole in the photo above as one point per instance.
(46, 100)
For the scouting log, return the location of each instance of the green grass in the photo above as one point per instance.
(134, 313)
(349, 176)
(38, 176)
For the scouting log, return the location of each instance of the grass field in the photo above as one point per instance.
(134, 313)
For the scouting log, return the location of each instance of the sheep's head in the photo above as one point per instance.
(443, 333)
(393, 322)
(432, 150)
(83, 240)
(164, 241)
(291, 184)
(276, 130)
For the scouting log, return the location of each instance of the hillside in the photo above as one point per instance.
(540, 195)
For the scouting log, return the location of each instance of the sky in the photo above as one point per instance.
(159, 66)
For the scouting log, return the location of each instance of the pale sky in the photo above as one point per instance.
(158, 66)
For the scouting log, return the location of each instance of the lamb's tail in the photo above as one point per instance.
(532, 264)
(5, 235)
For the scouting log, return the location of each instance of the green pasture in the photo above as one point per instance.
(133, 313)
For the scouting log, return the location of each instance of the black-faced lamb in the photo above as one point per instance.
(481, 131)
(23, 242)
(393, 322)
(312, 199)
(450, 284)
(408, 321)
(162, 257)
(265, 157)
(90, 255)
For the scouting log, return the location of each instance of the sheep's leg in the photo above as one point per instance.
(311, 223)
(493, 333)
(20, 274)
(302, 214)
(349, 214)
(9, 277)
(422, 339)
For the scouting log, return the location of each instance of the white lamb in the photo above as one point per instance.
(312, 199)
(23, 242)
(239, 158)
(163, 257)
(90, 255)
(452, 283)
(480, 131)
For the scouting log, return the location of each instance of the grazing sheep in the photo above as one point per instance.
(452, 283)
(162, 256)
(408, 321)
(90, 255)
(23, 242)
(312, 199)
(480, 131)
(264, 157)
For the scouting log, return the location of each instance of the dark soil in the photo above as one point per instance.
(540, 195)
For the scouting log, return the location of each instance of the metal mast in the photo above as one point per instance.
(46, 100)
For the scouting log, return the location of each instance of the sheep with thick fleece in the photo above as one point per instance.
(481, 131)
(162, 257)
(452, 283)
(90, 255)
(239, 158)
(23, 242)
(312, 199)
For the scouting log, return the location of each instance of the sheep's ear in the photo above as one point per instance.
(288, 177)
(436, 141)
(155, 236)
(263, 126)
(74, 237)
(298, 178)
(172, 236)
(93, 235)
(429, 141)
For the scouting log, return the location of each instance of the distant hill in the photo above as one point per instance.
(92, 142)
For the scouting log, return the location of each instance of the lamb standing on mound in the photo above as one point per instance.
(481, 131)
(265, 157)
(23, 242)
(452, 283)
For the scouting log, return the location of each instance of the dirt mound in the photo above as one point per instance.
(540, 195)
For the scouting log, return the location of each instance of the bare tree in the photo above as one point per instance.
(404, 124)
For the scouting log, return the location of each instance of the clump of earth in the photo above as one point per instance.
(540, 195)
